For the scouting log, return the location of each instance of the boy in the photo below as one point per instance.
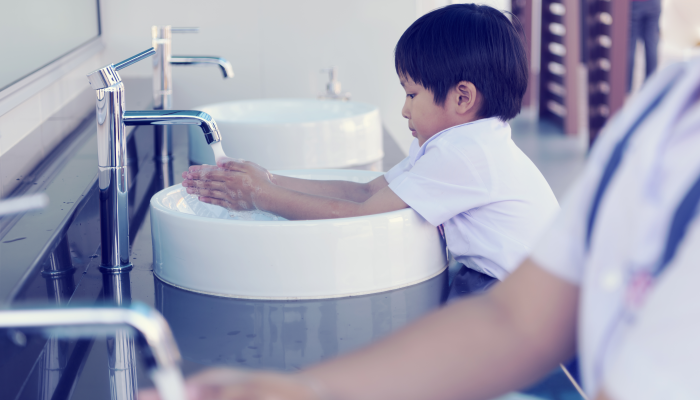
(464, 71)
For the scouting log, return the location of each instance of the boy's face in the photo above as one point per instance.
(425, 118)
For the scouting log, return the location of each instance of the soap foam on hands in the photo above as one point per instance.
(213, 211)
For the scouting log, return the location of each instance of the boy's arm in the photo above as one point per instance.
(346, 190)
(245, 186)
(301, 206)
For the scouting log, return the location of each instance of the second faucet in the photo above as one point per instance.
(163, 80)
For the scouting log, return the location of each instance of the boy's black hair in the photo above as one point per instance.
(466, 42)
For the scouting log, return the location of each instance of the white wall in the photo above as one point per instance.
(276, 47)
(425, 6)
(680, 31)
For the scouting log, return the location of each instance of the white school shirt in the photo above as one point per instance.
(653, 351)
(490, 198)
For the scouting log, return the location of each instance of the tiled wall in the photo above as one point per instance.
(31, 130)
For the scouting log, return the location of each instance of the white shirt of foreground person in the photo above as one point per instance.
(490, 198)
(639, 341)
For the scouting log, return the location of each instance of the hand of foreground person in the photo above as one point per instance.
(232, 384)
(232, 184)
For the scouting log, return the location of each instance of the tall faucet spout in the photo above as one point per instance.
(175, 117)
(226, 68)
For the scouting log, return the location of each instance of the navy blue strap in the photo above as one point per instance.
(614, 162)
(681, 219)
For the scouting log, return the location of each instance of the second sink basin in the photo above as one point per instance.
(280, 259)
(295, 133)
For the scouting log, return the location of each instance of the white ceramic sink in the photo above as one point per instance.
(294, 133)
(292, 259)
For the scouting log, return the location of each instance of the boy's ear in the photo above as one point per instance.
(466, 97)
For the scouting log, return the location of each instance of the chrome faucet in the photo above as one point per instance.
(163, 79)
(333, 87)
(162, 357)
(112, 157)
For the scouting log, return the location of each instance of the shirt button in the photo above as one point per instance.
(611, 280)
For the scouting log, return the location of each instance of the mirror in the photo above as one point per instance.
(34, 33)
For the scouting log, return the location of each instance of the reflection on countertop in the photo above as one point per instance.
(288, 335)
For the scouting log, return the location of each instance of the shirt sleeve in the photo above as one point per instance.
(441, 184)
(659, 357)
(397, 170)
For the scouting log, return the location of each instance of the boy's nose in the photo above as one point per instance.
(404, 111)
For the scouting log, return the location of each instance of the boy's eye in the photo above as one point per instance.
(410, 96)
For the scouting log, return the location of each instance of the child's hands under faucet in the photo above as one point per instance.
(244, 185)
(233, 184)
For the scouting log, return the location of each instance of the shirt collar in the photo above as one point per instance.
(416, 152)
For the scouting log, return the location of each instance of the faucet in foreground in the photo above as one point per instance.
(112, 157)
(163, 79)
(160, 352)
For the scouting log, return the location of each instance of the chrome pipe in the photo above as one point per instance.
(225, 66)
(114, 216)
(111, 133)
(176, 117)
(134, 59)
(162, 72)
(162, 89)
(121, 353)
(191, 29)
(53, 364)
(58, 274)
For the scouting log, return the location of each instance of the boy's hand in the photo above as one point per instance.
(235, 185)
(231, 384)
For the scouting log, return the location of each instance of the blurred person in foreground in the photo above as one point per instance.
(614, 279)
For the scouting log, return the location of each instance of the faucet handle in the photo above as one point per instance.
(108, 76)
(134, 59)
(191, 29)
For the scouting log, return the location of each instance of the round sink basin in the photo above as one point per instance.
(294, 133)
(280, 259)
